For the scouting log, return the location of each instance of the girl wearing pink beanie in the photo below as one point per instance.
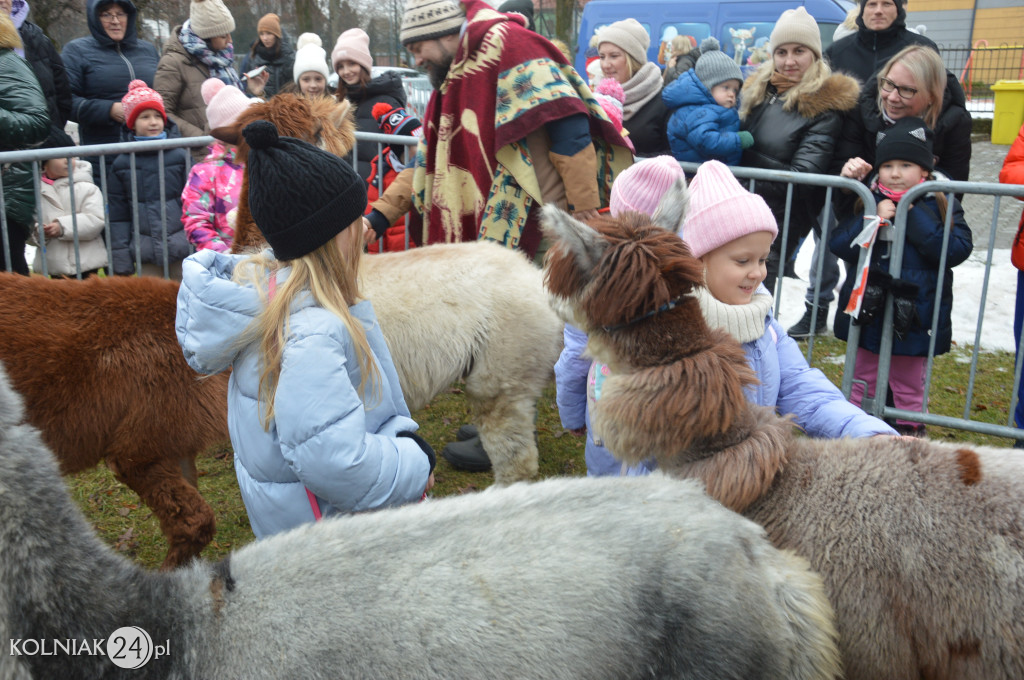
(731, 231)
(352, 61)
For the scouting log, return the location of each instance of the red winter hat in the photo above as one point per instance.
(139, 98)
(396, 121)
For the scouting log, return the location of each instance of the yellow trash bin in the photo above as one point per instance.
(1009, 113)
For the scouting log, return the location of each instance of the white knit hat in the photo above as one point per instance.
(430, 19)
(721, 210)
(796, 26)
(353, 45)
(309, 56)
(630, 36)
(210, 18)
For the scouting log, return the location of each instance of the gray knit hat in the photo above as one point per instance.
(714, 66)
(210, 18)
(797, 26)
(630, 36)
(430, 19)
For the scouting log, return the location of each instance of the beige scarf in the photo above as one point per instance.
(644, 86)
(743, 322)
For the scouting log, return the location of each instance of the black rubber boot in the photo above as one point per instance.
(802, 328)
(467, 455)
(465, 432)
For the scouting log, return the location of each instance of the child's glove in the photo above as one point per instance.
(904, 307)
(746, 140)
(874, 297)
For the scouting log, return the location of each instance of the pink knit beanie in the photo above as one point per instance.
(224, 103)
(353, 45)
(722, 211)
(640, 187)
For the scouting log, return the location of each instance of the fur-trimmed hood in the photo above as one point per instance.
(838, 92)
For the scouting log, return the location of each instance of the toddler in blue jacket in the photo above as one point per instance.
(705, 124)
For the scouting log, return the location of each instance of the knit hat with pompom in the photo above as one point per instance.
(611, 97)
(224, 103)
(139, 98)
(714, 66)
(309, 56)
(392, 121)
(300, 196)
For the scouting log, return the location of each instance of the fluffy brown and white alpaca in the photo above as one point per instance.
(920, 544)
(104, 378)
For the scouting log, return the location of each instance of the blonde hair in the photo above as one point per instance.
(927, 69)
(755, 90)
(331, 278)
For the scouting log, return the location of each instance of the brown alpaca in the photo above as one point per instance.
(101, 380)
(920, 544)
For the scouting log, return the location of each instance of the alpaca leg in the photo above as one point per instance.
(507, 432)
(185, 518)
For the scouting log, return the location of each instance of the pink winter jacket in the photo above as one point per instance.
(210, 199)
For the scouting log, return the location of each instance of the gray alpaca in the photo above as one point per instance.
(920, 544)
(568, 578)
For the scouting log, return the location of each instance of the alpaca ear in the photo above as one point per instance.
(671, 209)
(585, 244)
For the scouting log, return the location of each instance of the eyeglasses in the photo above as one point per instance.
(111, 17)
(889, 86)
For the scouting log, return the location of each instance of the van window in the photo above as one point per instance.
(747, 42)
(695, 32)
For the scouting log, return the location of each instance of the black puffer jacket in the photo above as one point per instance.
(99, 71)
(147, 178)
(386, 87)
(862, 54)
(801, 139)
(279, 63)
(49, 69)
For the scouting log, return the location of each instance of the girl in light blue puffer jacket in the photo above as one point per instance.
(316, 414)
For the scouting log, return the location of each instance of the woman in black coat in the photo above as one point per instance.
(792, 105)
(352, 62)
(272, 49)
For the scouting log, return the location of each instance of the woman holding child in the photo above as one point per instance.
(792, 106)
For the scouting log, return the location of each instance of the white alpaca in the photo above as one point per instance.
(569, 578)
(476, 311)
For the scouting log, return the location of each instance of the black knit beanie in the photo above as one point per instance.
(908, 139)
(299, 196)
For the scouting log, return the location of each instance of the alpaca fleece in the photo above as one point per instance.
(525, 581)
(920, 544)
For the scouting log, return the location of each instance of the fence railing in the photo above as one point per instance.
(875, 404)
(752, 176)
(978, 67)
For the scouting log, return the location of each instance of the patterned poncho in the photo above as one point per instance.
(474, 175)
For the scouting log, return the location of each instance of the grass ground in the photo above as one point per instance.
(129, 526)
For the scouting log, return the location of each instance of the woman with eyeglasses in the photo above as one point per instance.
(914, 83)
(793, 106)
(99, 68)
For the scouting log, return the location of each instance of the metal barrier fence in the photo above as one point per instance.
(752, 176)
(100, 152)
(876, 404)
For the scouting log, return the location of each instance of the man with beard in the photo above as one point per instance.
(509, 127)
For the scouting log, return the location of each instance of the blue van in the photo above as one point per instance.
(741, 26)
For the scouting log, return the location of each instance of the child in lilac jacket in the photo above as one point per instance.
(210, 197)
